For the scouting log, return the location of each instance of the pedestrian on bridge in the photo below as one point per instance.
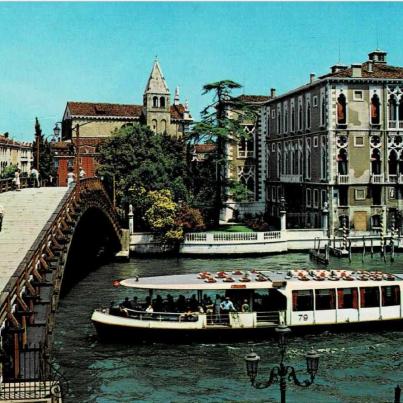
(71, 178)
(17, 180)
(1, 215)
(35, 177)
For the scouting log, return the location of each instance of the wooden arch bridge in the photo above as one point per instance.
(39, 236)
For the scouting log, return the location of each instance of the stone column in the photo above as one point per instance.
(131, 222)
(283, 212)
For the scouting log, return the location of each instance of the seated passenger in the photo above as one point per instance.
(150, 309)
(245, 306)
(134, 304)
(126, 303)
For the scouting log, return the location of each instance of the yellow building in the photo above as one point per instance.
(15, 153)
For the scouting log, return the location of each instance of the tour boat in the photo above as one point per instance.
(301, 299)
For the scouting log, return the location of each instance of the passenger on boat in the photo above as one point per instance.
(245, 306)
(209, 310)
(150, 309)
(188, 315)
(158, 304)
(135, 304)
(217, 308)
(169, 304)
(181, 303)
(126, 303)
(193, 303)
(226, 307)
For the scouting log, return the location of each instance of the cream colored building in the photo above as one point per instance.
(98, 120)
(15, 153)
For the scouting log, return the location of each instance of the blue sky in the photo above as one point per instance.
(51, 53)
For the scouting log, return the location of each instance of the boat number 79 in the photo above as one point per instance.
(303, 317)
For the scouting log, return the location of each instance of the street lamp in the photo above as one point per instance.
(282, 372)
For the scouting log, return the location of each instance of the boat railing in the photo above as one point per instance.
(269, 316)
(159, 316)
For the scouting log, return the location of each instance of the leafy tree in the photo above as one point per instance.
(222, 121)
(189, 218)
(46, 166)
(150, 172)
(8, 172)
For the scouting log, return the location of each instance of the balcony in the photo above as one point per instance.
(291, 178)
(395, 124)
(343, 179)
(392, 178)
(376, 179)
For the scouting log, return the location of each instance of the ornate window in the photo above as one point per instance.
(375, 110)
(300, 114)
(323, 158)
(162, 102)
(246, 146)
(246, 175)
(308, 158)
(155, 102)
(285, 118)
(292, 117)
(278, 119)
(322, 110)
(341, 110)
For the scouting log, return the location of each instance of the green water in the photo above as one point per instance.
(353, 367)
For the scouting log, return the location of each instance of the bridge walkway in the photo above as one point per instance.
(26, 213)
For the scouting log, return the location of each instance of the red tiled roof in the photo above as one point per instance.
(177, 111)
(380, 70)
(205, 148)
(10, 142)
(102, 109)
(253, 98)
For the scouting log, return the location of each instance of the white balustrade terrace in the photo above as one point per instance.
(232, 237)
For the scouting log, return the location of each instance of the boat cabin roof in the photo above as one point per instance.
(294, 279)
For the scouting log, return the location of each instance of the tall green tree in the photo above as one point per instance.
(141, 161)
(221, 121)
(46, 166)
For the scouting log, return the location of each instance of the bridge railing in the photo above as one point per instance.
(8, 184)
(37, 259)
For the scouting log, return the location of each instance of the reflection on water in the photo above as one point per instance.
(353, 367)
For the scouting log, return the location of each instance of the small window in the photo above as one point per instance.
(391, 295)
(315, 141)
(273, 193)
(324, 197)
(325, 299)
(273, 114)
(369, 297)
(273, 147)
(302, 300)
(358, 141)
(359, 194)
(315, 101)
(278, 193)
(316, 198)
(392, 193)
(358, 95)
(347, 298)
(308, 197)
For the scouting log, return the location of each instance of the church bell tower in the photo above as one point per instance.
(156, 101)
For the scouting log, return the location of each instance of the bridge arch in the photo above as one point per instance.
(84, 218)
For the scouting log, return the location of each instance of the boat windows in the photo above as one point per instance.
(325, 299)
(369, 297)
(390, 295)
(347, 298)
(302, 300)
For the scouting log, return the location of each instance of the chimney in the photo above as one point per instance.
(272, 93)
(370, 66)
(377, 56)
(356, 70)
(176, 99)
(311, 78)
(337, 67)
(6, 135)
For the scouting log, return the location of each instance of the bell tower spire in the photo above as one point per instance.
(156, 100)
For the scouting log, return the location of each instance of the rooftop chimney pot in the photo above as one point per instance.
(311, 77)
(356, 70)
(272, 92)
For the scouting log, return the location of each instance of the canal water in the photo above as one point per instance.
(354, 367)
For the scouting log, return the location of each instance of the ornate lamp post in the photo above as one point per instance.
(281, 373)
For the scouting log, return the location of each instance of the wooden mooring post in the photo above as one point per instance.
(372, 248)
(363, 248)
(397, 394)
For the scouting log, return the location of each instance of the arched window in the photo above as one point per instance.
(323, 111)
(392, 163)
(300, 116)
(400, 112)
(308, 158)
(342, 162)
(375, 118)
(278, 121)
(163, 126)
(292, 118)
(376, 161)
(162, 102)
(341, 110)
(392, 109)
(155, 102)
(323, 154)
(154, 126)
(285, 120)
(308, 115)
